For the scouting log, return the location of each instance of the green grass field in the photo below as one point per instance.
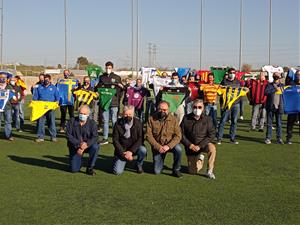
(256, 184)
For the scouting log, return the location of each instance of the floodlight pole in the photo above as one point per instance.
(132, 35)
(201, 36)
(137, 38)
(1, 44)
(241, 34)
(66, 50)
(270, 30)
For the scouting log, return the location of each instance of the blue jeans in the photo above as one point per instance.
(211, 110)
(119, 164)
(50, 118)
(113, 113)
(158, 159)
(16, 115)
(278, 117)
(75, 159)
(7, 122)
(234, 111)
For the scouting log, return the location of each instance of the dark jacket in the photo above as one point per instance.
(166, 132)
(123, 144)
(76, 134)
(198, 132)
(111, 79)
(270, 93)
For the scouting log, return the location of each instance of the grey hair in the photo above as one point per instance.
(197, 101)
(85, 106)
(128, 107)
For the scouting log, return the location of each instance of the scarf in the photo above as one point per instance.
(127, 129)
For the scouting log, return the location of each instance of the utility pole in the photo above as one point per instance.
(137, 39)
(201, 36)
(154, 49)
(270, 31)
(241, 34)
(66, 49)
(132, 35)
(149, 54)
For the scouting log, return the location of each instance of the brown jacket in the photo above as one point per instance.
(165, 132)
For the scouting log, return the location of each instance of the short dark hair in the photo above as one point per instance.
(231, 69)
(164, 102)
(47, 76)
(210, 74)
(109, 63)
(175, 74)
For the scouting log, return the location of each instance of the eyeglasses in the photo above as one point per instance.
(197, 107)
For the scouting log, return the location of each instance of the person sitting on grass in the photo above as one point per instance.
(127, 141)
(82, 137)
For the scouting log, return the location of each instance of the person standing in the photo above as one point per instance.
(65, 87)
(164, 135)
(111, 87)
(257, 99)
(82, 138)
(46, 92)
(274, 108)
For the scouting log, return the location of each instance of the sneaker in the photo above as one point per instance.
(90, 171)
(210, 175)
(268, 141)
(10, 139)
(176, 173)
(53, 139)
(219, 142)
(139, 170)
(39, 140)
(261, 130)
(280, 142)
(234, 142)
(103, 142)
(289, 142)
(19, 130)
(62, 130)
(241, 118)
(201, 157)
(273, 128)
(252, 129)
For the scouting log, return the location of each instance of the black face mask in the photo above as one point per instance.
(276, 78)
(161, 115)
(46, 82)
(128, 119)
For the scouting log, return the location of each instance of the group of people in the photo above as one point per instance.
(183, 110)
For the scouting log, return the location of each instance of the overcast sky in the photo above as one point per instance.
(101, 31)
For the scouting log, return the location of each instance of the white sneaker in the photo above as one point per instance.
(241, 118)
(210, 175)
(201, 157)
(268, 141)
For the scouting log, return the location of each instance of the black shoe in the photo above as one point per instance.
(103, 142)
(90, 171)
(176, 173)
(139, 170)
(261, 130)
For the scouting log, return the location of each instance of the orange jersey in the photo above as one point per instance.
(210, 92)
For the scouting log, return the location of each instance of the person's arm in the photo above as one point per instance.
(185, 141)
(210, 133)
(149, 136)
(139, 140)
(35, 93)
(56, 95)
(176, 135)
(94, 135)
(74, 141)
(116, 142)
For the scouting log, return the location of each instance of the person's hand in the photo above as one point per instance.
(120, 85)
(161, 150)
(80, 151)
(197, 148)
(166, 148)
(83, 145)
(128, 155)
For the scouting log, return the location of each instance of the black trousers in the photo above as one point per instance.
(291, 119)
(63, 111)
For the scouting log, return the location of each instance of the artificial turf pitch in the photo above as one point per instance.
(256, 184)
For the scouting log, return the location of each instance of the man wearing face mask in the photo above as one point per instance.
(15, 104)
(198, 133)
(230, 103)
(110, 81)
(164, 135)
(127, 141)
(274, 108)
(82, 138)
(65, 87)
(6, 97)
(46, 92)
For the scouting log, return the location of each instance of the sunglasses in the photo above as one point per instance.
(197, 107)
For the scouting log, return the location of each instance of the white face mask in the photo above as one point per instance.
(83, 117)
(197, 112)
(108, 71)
(231, 76)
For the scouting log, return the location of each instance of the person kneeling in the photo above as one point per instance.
(127, 141)
(197, 135)
(82, 137)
